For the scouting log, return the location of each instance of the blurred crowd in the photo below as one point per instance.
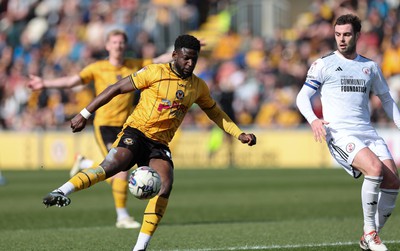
(255, 79)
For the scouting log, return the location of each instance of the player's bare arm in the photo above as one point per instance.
(125, 85)
(38, 83)
(163, 58)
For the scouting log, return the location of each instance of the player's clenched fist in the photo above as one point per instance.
(249, 139)
(78, 123)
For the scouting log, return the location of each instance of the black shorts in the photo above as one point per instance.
(143, 148)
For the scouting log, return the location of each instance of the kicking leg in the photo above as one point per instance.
(81, 180)
(116, 160)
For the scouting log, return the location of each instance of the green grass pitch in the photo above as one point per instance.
(209, 210)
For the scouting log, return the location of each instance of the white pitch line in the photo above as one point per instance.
(271, 247)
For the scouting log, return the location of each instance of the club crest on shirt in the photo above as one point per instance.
(179, 94)
(128, 141)
(366, 70)
(350, 147)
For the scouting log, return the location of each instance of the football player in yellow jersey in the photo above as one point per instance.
(110, 118)
(167, 92)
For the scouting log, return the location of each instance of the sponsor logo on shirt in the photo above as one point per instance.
(353, 85)
(178, 107)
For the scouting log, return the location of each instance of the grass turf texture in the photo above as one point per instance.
(208, 210)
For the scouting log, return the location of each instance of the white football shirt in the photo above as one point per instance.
(345, 86)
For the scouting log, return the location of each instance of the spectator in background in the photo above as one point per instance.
(227, 46)
(3, 78)
(391, 58)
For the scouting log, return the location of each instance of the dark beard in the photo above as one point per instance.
(351, 50)
(179, 71)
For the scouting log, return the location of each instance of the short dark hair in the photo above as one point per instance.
(350, 19)
(187, 41)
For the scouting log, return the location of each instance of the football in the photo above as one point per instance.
(144, 183)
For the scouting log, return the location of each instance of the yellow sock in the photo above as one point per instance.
(119, 190)
(88, 177)
(153, 214)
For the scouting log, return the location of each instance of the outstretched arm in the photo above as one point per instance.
(38, 83)
(163, 58)
(124, 85)
(225, 123)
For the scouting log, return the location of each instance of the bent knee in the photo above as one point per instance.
(375, 169)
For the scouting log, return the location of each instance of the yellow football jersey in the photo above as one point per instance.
(165, 99)
(102, 73)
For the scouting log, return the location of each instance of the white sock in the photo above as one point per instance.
(122, 213)
(142, 242)
(386, 204)
(67, 188)
(369, 201)
(86, 163)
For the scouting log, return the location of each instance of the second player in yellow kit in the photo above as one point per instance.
(110, 118)
(102, 74)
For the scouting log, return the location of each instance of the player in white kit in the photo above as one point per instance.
(345, 81)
